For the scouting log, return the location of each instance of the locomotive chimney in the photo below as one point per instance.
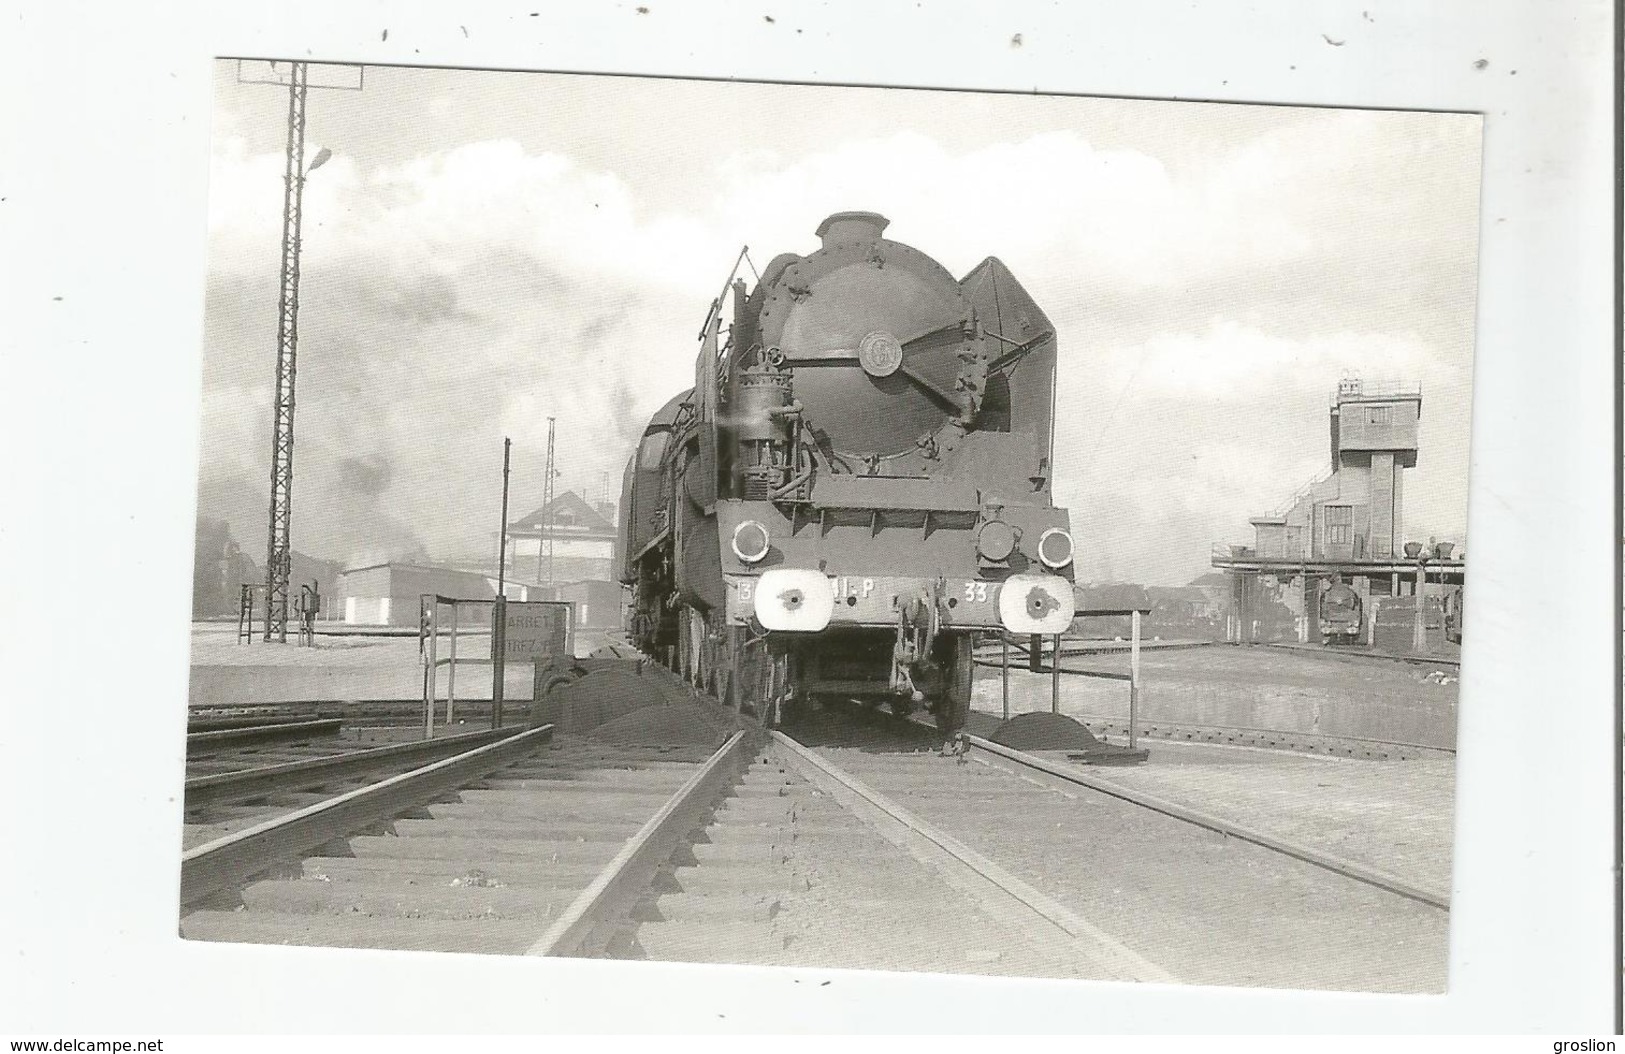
(852, 228)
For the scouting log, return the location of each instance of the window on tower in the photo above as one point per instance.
(1339, 524)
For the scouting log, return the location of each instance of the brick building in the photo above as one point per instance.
(583, 542)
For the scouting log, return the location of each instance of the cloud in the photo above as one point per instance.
(474, 291)
(1235, 363)
(1172, 444)
(1111, 214)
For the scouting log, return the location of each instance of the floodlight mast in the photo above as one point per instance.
(278, 552)
(278, 547)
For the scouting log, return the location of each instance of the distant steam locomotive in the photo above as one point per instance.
(1455, 603)
(1341, 614)
(859, 480)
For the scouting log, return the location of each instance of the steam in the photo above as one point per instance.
(367, 475)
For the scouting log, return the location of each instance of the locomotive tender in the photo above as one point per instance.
(859, 481)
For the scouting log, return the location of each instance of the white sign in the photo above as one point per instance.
(538, 630)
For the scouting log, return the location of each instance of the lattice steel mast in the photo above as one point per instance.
(278, 551)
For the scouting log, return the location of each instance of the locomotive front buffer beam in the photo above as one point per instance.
(804, 600)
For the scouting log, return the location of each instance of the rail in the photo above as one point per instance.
(1268, 739)
(226, 724)
(224, 787)
(1354, 653)
(974, 873)
(1062, 777)
(259, 734)
(587, 924)
(592, 920)
(233, 859)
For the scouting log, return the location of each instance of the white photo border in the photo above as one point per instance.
(110, 125)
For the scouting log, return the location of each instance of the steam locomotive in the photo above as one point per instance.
(858, 481)
(1341, 614)
(1455, 602)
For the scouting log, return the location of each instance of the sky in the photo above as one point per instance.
(485, 250)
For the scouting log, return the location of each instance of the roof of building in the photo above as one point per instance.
(568, 511)
(401, 565)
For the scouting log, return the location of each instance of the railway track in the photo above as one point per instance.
(1116, 730)
(1210, 900)
(222, 736)
(224, 746)
(296, 806)
(221, 747)
(804, 865)
(225, 795)
(353, 713)
(841, 842)
(758, 852)
(1068, 780)
(1355, 654)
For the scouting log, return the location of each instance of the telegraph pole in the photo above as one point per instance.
(547, 503)
(278, 547)
(502, 540)
(499, 610)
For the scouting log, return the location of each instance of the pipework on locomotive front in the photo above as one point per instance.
(858, 482)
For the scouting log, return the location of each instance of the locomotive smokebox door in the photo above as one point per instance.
(874, 332)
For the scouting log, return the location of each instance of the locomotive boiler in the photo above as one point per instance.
(857, 483)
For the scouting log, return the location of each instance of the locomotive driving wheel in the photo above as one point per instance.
(761, 684)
